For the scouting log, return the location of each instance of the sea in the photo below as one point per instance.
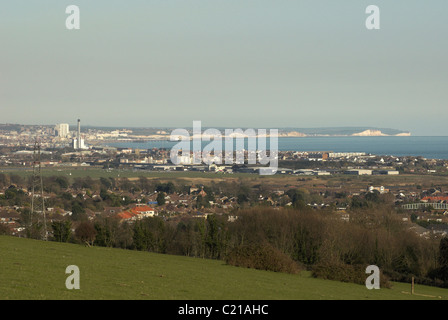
(424, 146)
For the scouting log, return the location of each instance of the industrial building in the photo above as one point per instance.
(78, 142)
(359, 172)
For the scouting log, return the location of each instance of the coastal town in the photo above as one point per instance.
(63, 134)
(135, 183)
(225, 152)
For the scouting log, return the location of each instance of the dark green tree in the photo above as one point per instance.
(140, 236)
(161, 199)
(78, 212)
(106, 231)
(297, 198)
(443, 252)
(62, 230)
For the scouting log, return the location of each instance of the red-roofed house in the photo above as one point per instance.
(434, 198)
(140, 211)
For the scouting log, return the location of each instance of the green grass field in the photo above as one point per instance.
(402, 180)
(96, 173)
(31, 269)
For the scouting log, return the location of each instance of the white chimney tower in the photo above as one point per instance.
(79, 135)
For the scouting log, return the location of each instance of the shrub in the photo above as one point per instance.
(346, 273)
(262, 257)
(4, 229)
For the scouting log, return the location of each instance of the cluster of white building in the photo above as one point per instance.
(62, 130)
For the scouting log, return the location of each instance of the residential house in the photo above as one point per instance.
(112, 211)
(137, 212)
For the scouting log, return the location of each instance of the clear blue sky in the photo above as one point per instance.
(228, 63)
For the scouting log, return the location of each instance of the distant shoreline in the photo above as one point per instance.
(430, 147)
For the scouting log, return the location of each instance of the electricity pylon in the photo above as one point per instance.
(38, 219)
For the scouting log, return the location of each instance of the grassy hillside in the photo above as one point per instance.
(31, 269)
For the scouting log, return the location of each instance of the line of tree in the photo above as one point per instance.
(294, 239)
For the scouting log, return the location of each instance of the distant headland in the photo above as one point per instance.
(95, 134)
(342, 132)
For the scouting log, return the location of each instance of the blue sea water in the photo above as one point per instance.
(427, 147)
(424, 146)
